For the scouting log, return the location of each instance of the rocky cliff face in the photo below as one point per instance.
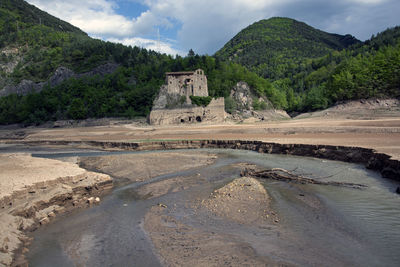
(242, 95)
(251, 108)
(60, 75)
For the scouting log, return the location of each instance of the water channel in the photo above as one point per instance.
(319, 225)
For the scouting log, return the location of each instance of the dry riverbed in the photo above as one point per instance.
(244, 200)
(34, 190)
(144, 166)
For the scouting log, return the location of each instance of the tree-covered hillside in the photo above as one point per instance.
(17, 15)
(366, 70)
(277, 47)
(40, 48)
(315, 69)
(309, 69)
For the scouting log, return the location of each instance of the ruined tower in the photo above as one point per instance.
(187, 83)
(174, 106)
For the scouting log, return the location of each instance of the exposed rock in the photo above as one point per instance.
(60, 75)
(242, 95)
(90, 200)
(100, 70)
(245, 100)
(165, 100)
(23, 88)
(44, 220)
(12, 56)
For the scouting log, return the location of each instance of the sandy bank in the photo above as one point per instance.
(34, 191)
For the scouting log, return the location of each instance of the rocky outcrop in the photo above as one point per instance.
(242, 95)
(247, 107)
(60, 75)
(165, 100)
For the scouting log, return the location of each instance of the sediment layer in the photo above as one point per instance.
(39, 190)
(371, 159)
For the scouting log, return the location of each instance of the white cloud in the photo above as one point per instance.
(161, 47)
(96, 17)
(206, 25)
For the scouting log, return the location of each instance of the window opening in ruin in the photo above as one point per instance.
(182, 120)
(198, 118)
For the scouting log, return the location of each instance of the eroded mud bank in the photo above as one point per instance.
(371, 159)
(33, 192)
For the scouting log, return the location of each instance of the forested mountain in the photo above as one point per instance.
(277, 47)
(314, 69)
(18, 14)
(366, 70)
(324, 69)
(35, 46)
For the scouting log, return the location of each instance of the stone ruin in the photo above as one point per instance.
(174, 106)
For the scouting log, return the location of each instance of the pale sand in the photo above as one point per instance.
(33, 191)
(18, 171)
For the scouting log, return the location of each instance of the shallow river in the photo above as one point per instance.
(319, 225)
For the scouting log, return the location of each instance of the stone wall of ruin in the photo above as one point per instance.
(214, 112)
(188, 84)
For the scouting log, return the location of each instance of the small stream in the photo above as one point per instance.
(319, 225)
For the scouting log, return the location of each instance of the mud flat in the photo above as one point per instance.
(244, 200)
(145, 166)
(34, 191)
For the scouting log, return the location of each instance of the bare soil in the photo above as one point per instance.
(244, 201)
(369, 124)
(146, 165)
(34, 191)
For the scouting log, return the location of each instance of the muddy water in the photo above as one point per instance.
(319, 225)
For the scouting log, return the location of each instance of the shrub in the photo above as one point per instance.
(201, 100)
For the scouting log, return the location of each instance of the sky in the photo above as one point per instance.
(176, 26)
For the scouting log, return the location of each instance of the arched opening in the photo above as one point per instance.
(182, 120)
(198, 119)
